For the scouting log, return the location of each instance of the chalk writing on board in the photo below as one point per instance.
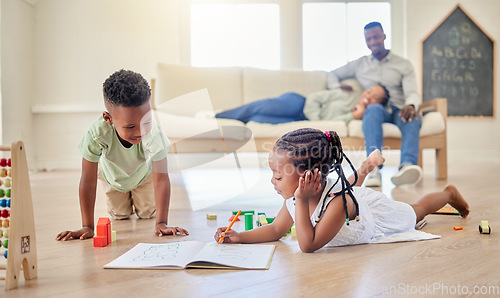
(458, 65)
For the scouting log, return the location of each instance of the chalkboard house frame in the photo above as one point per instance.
(462, 68)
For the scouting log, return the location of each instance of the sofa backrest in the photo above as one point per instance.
(230, 87)
(263, 83)
(223, 83)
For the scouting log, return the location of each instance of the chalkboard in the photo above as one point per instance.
(458, 64)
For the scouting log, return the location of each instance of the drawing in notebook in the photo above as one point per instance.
(159, 253)
(195, 254)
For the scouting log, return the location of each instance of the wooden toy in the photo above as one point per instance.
(104, 233)
(20, 228)
(484, 228)
(113, 233)
(100, 241)
(232, 217)
(248, 221)
(261, 220)
(293, 232)
(447, 210)
(244, 212)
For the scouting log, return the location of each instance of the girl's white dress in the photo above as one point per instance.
(381, 219)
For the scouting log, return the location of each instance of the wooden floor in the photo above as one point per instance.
(458, 262)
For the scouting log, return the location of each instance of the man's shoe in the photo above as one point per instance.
(374, 179)
(408, 174)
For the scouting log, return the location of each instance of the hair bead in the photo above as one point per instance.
(328, 135)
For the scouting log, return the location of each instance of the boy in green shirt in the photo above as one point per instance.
(127, 152)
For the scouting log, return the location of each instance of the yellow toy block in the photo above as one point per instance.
(211, 216)
(484, 228)
(262, 219)
(293, 232)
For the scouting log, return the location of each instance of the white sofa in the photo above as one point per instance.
(180, 101)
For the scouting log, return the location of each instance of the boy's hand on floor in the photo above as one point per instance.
(83, 233)
(163, 229)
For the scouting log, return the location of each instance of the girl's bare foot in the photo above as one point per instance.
(373, 160)
(457, 201)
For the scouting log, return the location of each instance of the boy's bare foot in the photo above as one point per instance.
(457, 201)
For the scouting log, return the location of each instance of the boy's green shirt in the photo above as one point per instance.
(123, 168)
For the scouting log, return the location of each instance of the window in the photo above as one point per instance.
(333, 32)
(274, 34)
(235, 35)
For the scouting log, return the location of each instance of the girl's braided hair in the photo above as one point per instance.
(312, 149)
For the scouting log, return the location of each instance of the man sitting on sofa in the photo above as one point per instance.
(335, 104)
(397, 74)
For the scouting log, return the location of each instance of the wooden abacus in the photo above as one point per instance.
(22, 240)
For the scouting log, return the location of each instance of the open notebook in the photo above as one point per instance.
(195, 254)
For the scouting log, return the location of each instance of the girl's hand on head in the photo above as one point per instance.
(230, 236)
(309, 185)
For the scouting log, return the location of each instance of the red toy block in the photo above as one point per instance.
(103, 229)
(100, 241)
(103, 221)
(108, 227)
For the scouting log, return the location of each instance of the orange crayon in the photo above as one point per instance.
(229, 227)
(458, 228)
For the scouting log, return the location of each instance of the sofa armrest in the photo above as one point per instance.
(438, 105)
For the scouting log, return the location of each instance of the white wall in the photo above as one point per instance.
(78, 45)
(57, 53)
(467, 138)
(17, 72)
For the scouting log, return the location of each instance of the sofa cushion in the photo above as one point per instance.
(266, 130)
(184, 127)
(189, 104)
(223, 83)
(432, 123)
(262, 83)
